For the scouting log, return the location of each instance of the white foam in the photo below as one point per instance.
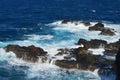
(98, 51)
(112, 58)
(39, 37)
(82, 31)
(7, 56)
(72, 27)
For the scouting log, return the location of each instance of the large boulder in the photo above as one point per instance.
(118, 65)
(97, 27)
(30, 53)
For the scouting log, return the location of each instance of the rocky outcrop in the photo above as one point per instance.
(117, 62)
(104, 31)
(94, 43)
(30, 53)
(107, 32)
(97, 27)
(85, 60)
(112, 48)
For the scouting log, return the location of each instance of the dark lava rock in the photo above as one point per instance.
(107, 32)
(84, 57)
(86, 23)
(85, 60)
(30, 53)
(104, 31)
(63, 51)
(66, 21)
(117, 62)
(94, 43)
(66, 64)
(114, 45)
(97, 27)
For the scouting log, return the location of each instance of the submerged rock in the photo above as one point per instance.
(66, 21)
(30, 53)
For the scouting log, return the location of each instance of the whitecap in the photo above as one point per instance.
(39, 37)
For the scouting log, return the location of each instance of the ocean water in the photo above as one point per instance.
(38, 22)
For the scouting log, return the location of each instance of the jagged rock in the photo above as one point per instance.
(117, 62)
(114, 45)
(110, 52)
(104, 31)
(66, 21)
(97, 27)
(107, 32)
(84, 42)
(94, 43)
(85, 60)
(30, 53)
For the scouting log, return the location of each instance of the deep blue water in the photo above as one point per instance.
(16, 15)
(25, 17)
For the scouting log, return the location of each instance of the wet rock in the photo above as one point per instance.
(66, 21)
(63, 51)
(66, 64)
(107, 32)
(85, 60)
(117, 62)
(86, 23)
(30, 53)
(94, 43)
(84, 42)
(113, 46)
(97, 27)
(84, 57)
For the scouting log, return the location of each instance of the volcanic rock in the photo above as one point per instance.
(30, 53)
(94, 43)
(107, 32)
(97, 27)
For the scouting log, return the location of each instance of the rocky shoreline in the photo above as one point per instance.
(78, 58)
